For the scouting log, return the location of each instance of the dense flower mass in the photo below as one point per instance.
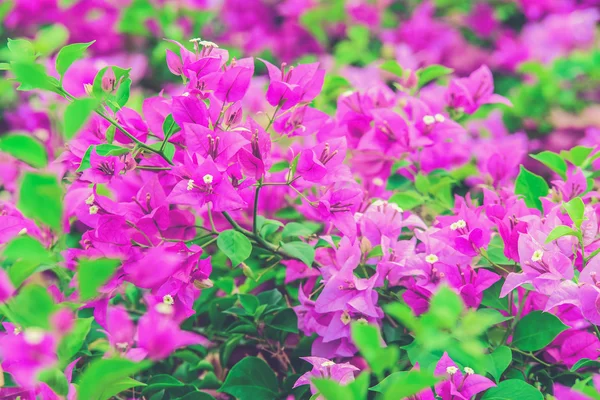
(300, 199)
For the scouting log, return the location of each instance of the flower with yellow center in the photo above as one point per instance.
(94, 210)
(431, 258)
(469, 371)
(537, 255)
(168, 299)
(451, 370)
(208, 179)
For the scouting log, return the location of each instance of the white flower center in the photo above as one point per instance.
(431, 258)
(328, 364)
(190, 184)
(537, 255)
(122, 345)
(208, 179)
(439, 118)
(378, 181)
(469, 371)
(186, 94)
(94, 210)
(17, 330)
(23, 232)
(451, 370)
(33, 336)
(206, 43)
(168, 299)
(428, 120)
(345, 318)
(90, 200)
(164, 308)
(198, 40)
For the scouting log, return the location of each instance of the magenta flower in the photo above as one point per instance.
(25, 354)
(470, 93)
(458, 386)
(202, 182)
(103, 168)
(324, 368)
(300, 84)
(159, 335)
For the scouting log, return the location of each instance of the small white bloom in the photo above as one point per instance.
(379, 203)
(190, 184)
(168, 299)
(428, 120)
(94, 210)
(186, 94)
(195, 40)
(345, 318)
(164, 308)
(206, 43)
(328, 364)
(23, 232)
(537, 255)
(439, 118)
(431, 258)
(208, 179)
(122, 345)
(461, 223)
(451, 370)
(33, 336)
(454, 226)
(377, 181)
(17, 330)
(90, 200)
(469, 371)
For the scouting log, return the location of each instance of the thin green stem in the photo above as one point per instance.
(255, 211)
(210, 219)
(592, 255)
(531, 355)
(272, 119)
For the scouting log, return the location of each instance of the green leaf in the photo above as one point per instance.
(33, 76)
(32, 307)
(280, 166)
(368, 340)
(300, 250)
(575, 208)
(197, 396)
(446, 307)
(25, 148)
(235, 245)
(56, 380)
(430, 73)
(585, 363)
(68, 55)
(26, 254)
(21, 50)
(72, 342)
(249, 302)
(123, 91)
(50, 38)
(491, 297)
(559, 232)
(531, 187)
(105, 378)
(393, 67)
(513, 389)
(285, 320)
(553, 161)
(92, 274)
(400, 385)
(529, 337)
(332, 390)
(577, 155)
(77, 114)
(251, 379)
(498, 361)
(407, 200)
(299, 229)
(41, 198)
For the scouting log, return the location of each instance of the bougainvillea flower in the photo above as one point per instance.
(459, 385)
(470, 93)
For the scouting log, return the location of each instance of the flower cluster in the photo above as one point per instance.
(261, 229)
